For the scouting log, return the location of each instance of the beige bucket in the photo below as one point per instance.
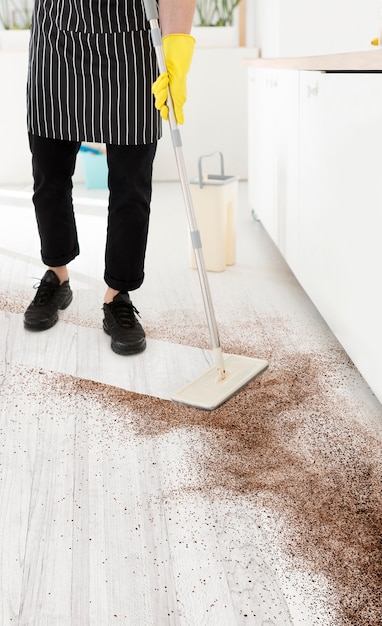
(214, 198)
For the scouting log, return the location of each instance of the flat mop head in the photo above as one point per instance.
(208, 391)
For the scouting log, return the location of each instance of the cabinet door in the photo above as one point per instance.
(316, 190)
(341, 209)
(287, 165)
(262, 148)
(273, 153)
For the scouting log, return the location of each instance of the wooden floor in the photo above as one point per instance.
(111, 510)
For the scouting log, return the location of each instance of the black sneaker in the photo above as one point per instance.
(127, 335)
(42, 314)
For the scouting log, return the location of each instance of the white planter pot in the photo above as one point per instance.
(14, 40)
(215, 36)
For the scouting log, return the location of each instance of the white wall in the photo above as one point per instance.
(15, 166)
(215, 114)
(308, 27)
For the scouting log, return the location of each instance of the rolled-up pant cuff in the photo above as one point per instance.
(59, 261)
(122, 285)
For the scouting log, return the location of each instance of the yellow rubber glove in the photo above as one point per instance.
(178, 50)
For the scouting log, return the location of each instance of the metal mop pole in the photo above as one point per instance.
(156, 35)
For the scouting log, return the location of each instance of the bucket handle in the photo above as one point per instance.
(204, 156)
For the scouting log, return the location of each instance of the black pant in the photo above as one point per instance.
(130, 187)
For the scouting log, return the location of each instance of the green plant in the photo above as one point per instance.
(15, 14)
(215, 12)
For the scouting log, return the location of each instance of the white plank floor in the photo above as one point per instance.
(105, 520)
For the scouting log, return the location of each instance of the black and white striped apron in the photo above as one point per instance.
(91, 67)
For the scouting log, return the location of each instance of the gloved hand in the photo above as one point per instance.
(178, 50)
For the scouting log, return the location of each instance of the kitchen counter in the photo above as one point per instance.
(363, 61)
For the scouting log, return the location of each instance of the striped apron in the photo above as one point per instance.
(91, 67)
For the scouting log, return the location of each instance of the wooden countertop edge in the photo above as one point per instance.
(366, 61)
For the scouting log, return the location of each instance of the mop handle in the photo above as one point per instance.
(151, 10)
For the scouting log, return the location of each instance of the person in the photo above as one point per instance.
(92, 77)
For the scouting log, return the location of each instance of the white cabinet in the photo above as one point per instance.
(262, 154)
(326, 194)
(273, 154)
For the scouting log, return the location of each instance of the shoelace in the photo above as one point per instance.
(44, 293)
(124, 313)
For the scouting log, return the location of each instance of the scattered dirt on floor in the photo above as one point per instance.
(14, 302)
(292, 441)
